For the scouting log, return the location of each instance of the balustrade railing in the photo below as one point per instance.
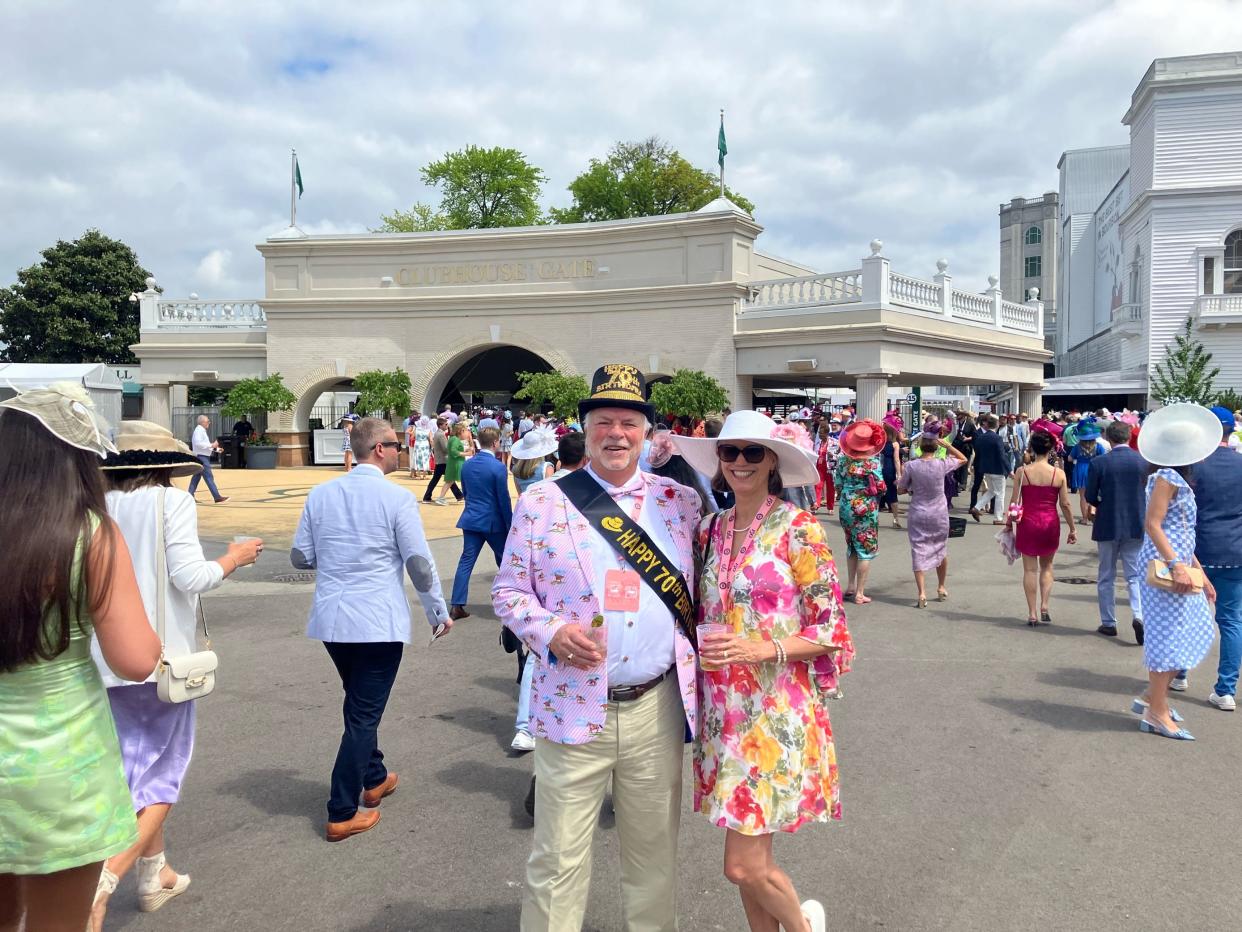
(1223, 304)
(972, 306)
(1019, 316)
(239, 314)
(831, 288)
(914, 291)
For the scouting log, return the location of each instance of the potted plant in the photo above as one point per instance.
(254, 396)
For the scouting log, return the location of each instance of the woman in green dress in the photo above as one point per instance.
(456, 455)
(64, 803)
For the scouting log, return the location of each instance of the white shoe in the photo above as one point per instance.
(522, 741)
(438, 501)
(1224, 703)
(152, 894)
(1180, 684)
(813, 912)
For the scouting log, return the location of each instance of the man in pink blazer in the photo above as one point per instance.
(614, 705)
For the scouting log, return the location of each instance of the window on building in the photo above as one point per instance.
(1209, 275)
(1033, 236)
(1233, 263)
(1032, 266)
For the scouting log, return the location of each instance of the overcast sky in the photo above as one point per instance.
(168, 124)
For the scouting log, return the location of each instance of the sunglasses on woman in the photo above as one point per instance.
(728, 453)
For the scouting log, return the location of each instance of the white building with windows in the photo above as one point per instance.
(1151, 234)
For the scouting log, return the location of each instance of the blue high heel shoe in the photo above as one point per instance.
(1139, 707)
(1157, 729)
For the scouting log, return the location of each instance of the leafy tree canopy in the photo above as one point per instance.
(1229, 398)
(74, 305)
(641, 179)
(691, 392)
(1186, 374)
(385, 391)
(258, 396)
(561, 391)
(420, 218)
(494, 187)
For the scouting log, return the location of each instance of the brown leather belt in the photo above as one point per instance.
(630, 693)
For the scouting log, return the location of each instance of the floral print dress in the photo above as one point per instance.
(764, 759)
(860, 485)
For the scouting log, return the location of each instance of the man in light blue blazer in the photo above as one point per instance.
(362, 534)
(486, 517)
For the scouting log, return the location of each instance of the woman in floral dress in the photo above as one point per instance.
(764, 759)
(420, 449)
(859, 480)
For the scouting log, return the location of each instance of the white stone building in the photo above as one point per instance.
(1163, 241)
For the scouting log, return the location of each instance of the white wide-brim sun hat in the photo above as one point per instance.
(535, 444)
(796, 465)
(1179, 435)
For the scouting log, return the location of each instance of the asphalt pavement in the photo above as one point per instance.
(993, 777)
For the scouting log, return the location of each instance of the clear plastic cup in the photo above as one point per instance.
(241, 539)
(597, 631)
(710, 628)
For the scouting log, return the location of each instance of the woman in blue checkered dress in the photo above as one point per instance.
(1179, 628)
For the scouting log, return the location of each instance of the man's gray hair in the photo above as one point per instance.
(366, 434)
(204, 419)
(1118, 432)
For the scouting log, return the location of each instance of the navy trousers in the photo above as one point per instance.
(367, 674)
(472, 546)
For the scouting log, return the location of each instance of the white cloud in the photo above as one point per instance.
(911, 121)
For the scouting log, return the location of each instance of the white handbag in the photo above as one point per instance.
(186, 676)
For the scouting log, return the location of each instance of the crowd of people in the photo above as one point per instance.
(661, 581)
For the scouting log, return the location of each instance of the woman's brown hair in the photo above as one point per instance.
(775, 484)
(48, 492)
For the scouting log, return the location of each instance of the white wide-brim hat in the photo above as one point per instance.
(538, 443)
(796, 466)
(1179, 435)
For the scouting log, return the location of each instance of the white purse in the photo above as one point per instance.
(186, 676)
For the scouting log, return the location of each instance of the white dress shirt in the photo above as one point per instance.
(189, 572)
(200, 443)
(362, 534)
(640, 644)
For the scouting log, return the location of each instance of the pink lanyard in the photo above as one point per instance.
(729, 566)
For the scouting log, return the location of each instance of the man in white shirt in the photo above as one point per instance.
(489, 420)
(362, 532)
(525, 426)
(202, 446)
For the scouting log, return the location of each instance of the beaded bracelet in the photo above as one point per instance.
(781, 656)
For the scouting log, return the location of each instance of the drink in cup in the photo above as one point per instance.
(702, 631)
(241, 539)
(597, 631)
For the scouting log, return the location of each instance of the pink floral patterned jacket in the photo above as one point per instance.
(547, 580)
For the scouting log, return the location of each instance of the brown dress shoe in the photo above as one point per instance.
(339, 831)
(372, 797)
(458, 612)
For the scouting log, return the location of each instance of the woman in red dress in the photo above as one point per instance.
(1039, 489)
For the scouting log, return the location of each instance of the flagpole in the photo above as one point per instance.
(293, 188)
(722, 194)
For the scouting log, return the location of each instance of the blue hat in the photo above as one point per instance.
(1225, 416)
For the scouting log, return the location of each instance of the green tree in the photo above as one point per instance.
(421, 218)
(1229, 398)
(641, 179)
(494, 187)
(385, 391)
(561, 391)
(1184, 375)
(74, 305)
(258, 396)
(691, 393)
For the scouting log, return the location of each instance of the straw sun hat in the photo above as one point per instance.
(1179, 435)
(66, 411)
(796, 464)
(143, 445)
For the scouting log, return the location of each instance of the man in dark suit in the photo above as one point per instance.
(1116, 487)
(486, 517)
(992, 465)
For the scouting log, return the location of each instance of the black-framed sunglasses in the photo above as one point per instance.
(395, 444)
(728, 453)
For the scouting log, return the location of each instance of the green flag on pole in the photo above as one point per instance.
(721, 149)
(297, 173)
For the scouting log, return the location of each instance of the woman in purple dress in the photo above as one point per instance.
(928, 517)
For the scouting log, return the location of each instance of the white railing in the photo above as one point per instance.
(915, 292)
(1128, 313)
(808, 290)
(195, 313)
(1224, 305)
(1019, 316)
(973, 306)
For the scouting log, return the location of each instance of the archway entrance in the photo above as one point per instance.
(322, 405)
(487, 376)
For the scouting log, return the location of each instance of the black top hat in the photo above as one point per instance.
(617, 385)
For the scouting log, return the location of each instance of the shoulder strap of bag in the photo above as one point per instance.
(161, 570)
(633, 544)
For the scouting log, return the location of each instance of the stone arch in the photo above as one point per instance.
(308, 389)
(431, 380)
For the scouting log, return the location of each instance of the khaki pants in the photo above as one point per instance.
(641, 748)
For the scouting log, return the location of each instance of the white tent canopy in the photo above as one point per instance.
(100, 382)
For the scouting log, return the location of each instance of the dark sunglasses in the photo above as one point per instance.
(395, 444)
(727, 453)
